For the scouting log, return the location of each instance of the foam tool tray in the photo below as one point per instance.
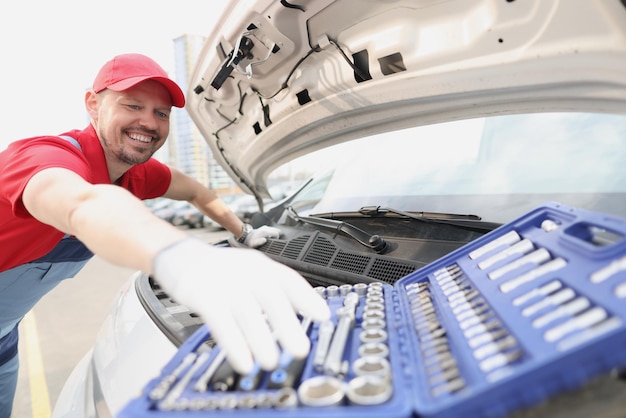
(529, 310)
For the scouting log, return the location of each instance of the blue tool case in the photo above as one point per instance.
(532, 309)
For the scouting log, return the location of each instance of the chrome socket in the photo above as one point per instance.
(372, 366)
(374, 349)
(373, 336)
(321, 391)
(369, 390)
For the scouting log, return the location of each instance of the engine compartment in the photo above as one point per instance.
(327, 257)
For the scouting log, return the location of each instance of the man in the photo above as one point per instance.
(63, 198)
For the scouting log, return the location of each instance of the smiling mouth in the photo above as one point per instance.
(145, 139)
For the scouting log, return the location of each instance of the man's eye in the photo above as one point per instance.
(133, 107)
(162, 115)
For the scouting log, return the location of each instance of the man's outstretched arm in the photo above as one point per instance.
(246, 299)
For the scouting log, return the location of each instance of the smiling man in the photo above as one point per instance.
(64, 198)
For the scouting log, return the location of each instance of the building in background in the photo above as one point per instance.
(187, 149)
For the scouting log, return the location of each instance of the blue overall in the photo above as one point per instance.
(20, 289)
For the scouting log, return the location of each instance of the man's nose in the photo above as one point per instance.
(149, 120)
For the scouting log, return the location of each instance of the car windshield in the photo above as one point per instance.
(497, 167)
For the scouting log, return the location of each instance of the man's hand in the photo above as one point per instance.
(248, 301)
(259, 236)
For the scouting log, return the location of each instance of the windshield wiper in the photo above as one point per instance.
(375, 242)
(421, 216)
(431, 217)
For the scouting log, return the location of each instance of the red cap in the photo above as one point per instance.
(126, 70)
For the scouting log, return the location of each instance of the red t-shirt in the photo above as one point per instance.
(22, 237)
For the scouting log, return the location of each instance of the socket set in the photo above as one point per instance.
(529, 310)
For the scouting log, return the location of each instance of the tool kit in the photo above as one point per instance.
(529, 310)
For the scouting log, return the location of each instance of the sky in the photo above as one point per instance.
(51, 51)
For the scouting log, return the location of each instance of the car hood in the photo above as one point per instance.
(305, 75)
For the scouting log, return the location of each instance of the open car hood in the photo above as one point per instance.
(279, 79)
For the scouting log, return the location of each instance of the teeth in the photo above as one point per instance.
(140, 138)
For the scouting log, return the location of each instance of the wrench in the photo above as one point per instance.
(326, 330)
(346, 321)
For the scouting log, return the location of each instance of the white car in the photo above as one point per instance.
(466, 113)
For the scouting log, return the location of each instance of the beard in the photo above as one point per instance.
(127, 154)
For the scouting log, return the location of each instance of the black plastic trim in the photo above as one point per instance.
(155, 301)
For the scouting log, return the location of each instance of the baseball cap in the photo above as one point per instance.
(127, 70)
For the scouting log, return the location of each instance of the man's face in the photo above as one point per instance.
(133, 124)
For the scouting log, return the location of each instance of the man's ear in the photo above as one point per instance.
(91, 104)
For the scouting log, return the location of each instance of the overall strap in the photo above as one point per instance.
(72, 141)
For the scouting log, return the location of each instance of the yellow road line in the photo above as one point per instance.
(40, 401)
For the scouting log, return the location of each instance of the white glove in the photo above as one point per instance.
(248, 301)
(259, 236)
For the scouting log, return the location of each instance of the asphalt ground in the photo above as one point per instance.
(63, 326)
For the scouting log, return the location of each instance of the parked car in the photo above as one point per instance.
(158, 203)
(423, 125)
(167, 209)
(188, 215)
(230, 199)
(245, 205)
(177, 212)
